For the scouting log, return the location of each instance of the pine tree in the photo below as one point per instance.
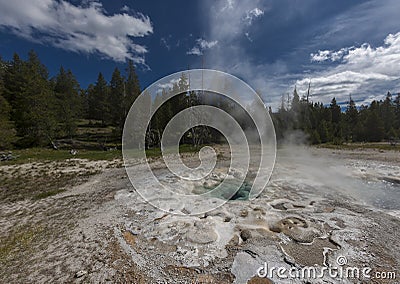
(116, 99)
(295, 101)
(396, 123)
(69, 104)
(132, 87)
(374, 128)
(13, 81)
(7, 131)
(335, 111)
(387, 111)
(30, 94)
(351, 120)
(100, 100)
(91, 102)
(335, 120)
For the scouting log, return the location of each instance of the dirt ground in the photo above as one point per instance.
(319, 206)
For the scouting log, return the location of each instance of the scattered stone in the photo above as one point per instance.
(185, 211)
(297, 229)
(245, 235)
(129, 238)
(258, 280)
(244, 213)
(259, 209)
(7, 156)
(80, 273)
(329, 209)
(279, 206)
(234, 241)
(202, 233)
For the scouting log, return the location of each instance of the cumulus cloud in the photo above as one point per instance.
(85, 28)
(201, 45)
(360, 71)
(330, 55)
(364, 71)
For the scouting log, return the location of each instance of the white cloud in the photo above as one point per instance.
(206, 44)
(361, 71)
(333, 56)
(86, 28)
(248, 36)
(229, 5)
(232, 18)
(164, 41)
(125, 9)
(195, 51)
(349, 74)
(201, 45)
(167, 86)
(322, 55)
(252, 14)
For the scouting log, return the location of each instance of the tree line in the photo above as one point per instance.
(378, 121)
(35, 109)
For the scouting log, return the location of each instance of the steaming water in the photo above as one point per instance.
(360, 180)
(381, 194)
(241, 194)
(319, 175)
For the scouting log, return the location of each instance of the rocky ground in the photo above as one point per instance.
(320, 207)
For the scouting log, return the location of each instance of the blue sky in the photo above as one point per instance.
(343, 47)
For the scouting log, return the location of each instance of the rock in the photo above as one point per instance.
(80, 273)
(234, 241)
(202, 233)
(185, 211)
(245, 235)
(279, 206)
(297, 229)
(7, 156)
(244, 213)
(258, 280)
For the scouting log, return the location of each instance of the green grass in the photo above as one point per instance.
(19, 242)
(43, 154)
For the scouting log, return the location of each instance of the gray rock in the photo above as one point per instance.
(80, 273)
(245, 235)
